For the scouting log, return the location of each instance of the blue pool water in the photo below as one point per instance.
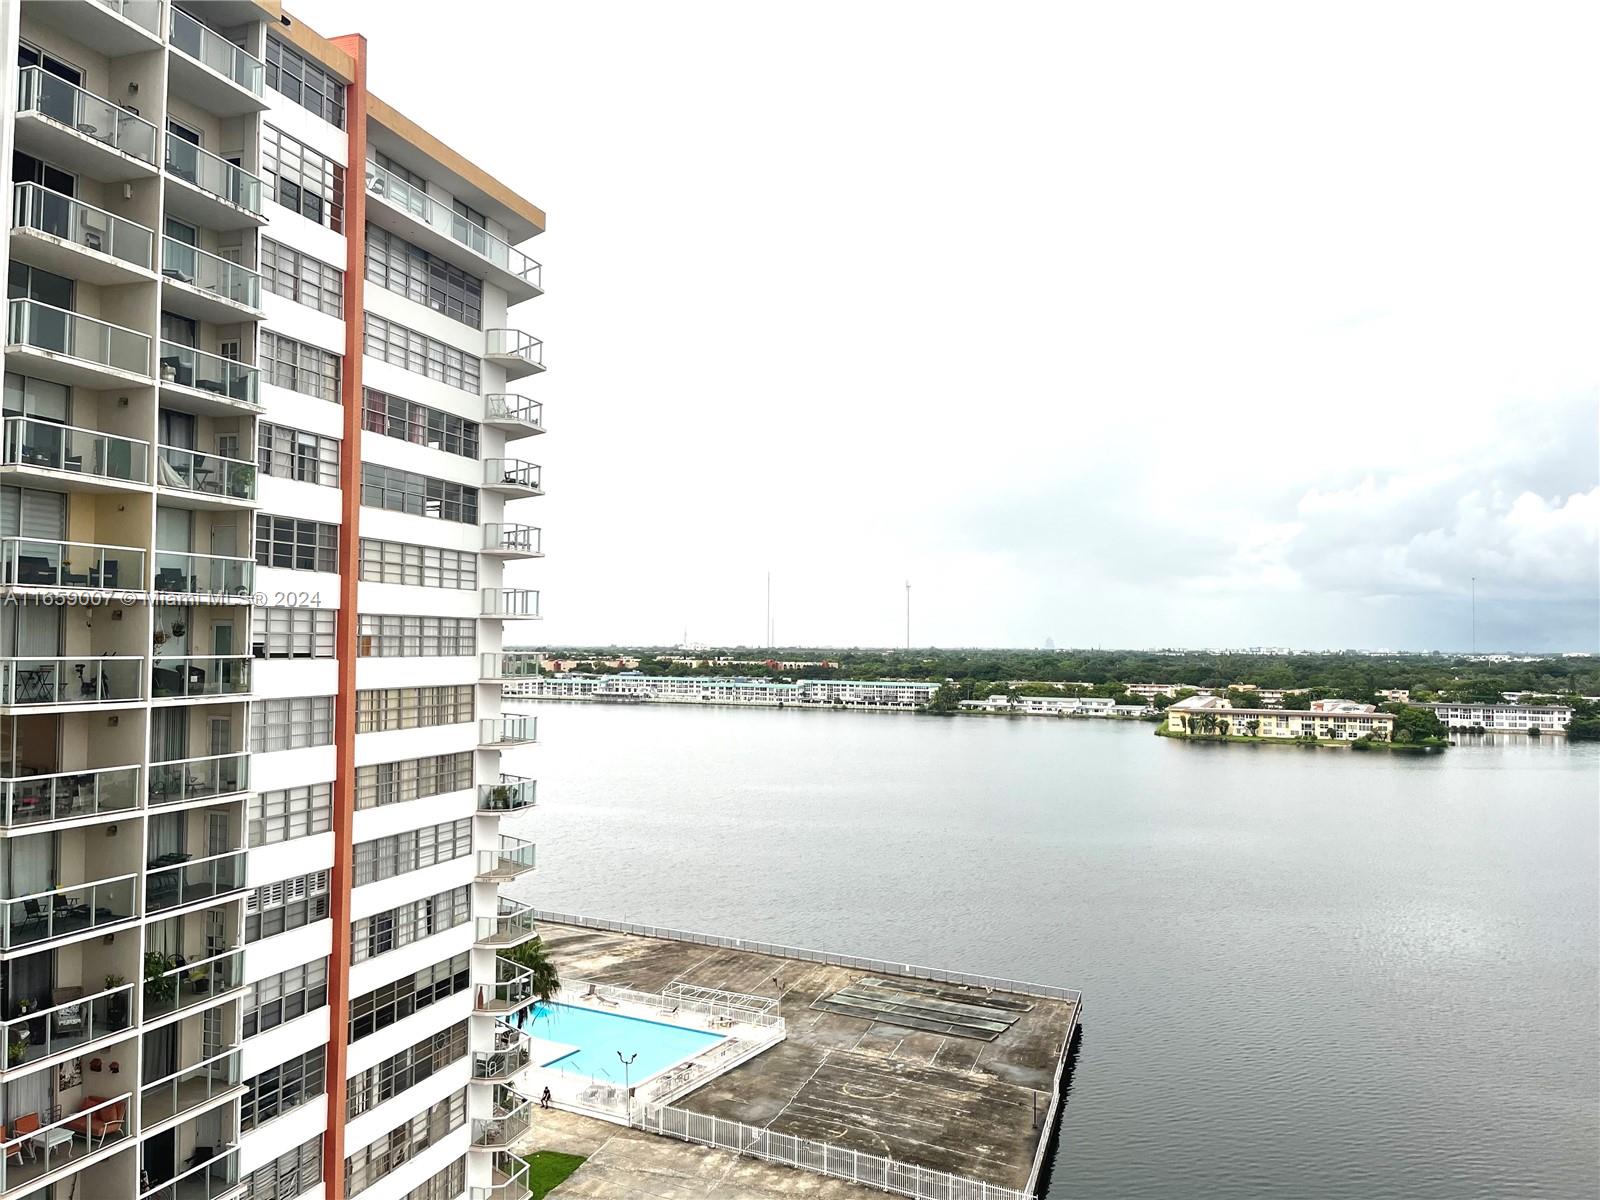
(600, 1035)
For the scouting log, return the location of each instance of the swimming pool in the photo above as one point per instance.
(590, 1040)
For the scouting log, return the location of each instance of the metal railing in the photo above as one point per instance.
(85, 679)
(504, 406)
(512, 989)
(511, 472)
(188, 984)
(513, 857)
(190, 1087)
(508, 1180)
(523, 539)
(100, 1125)
(204, 574)
(45, 1031)
(29, 920)
(710, 1004)
(36, 799)
(181, 779)
(501, 1064)
(512, 603)
(83, 225)
(201, 269)
(508, 664)
(29, 562)
(30, 442)
(93, 116)
(189, 367)
(513, 792)
(198, 675)
(514, 343)
(207, 46)
(168, 886)
(205, 474)
(408, 197)
(513, 923)
(231, 184)
(877, 966)
(216, 1177)
(60, 331)
(144, 13)
(507, 731)
(820, 1158)
(508, 1121)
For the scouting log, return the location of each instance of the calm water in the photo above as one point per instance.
(1305, 973)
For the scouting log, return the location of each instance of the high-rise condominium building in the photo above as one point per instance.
(264, 413)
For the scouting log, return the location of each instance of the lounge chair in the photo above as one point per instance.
(100, 1123)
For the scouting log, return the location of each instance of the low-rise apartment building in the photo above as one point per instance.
(881, 694)
(1326, 720)
(1046, 706)
(1504, 718)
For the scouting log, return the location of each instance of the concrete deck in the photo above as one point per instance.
(948, 1103)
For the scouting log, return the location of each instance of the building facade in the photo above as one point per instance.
(264, 417)
(1326, 720)
(881, 694)
(1504, 718)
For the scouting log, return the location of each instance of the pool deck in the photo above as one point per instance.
(971, 1108)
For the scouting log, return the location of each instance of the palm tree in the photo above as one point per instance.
(530, 956)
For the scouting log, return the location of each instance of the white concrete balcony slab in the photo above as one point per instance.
(78, 240)
(189, 479)
(512, 477)
(205, 190)
(219, 76)
(206, 286)
(67, 347)
(62, 912)
(81, 132)
(218, 578)
(64, 458)
(33, 802)
(512, 541)
(199, 382)
(517, 416)
(110, 27)
(28, 564)
(521, 354)
(74, 681)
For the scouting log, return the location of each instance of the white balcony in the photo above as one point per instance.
(512, 478)
(510, 604)
(200, 677)
(110, 27)
(508, 1180)
(218, 578)
(512, 541)
(517, 415)
(203, 189)
(43, 454)
(494, 732)
(88, 680)
(67, 347)
(195, 381)
(521, 354)
(512, 793)
(196, 881)
(78, 240)
(186, 780)
(511, 925)
(512, 858)
(69, 566)
(64, 911)
(81, 132)
(189, 479)
(35, 801)
(102, 1127)
(220, 77)
(207, 287)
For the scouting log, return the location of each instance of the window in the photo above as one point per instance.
(386, 857)
(386, 931)
(290, 813)
(405, 1070)
(416, 352)
(418, 424)
(418, 566)
(301, 278)
(419, 495)
(443, 1185)
(410, 271)
(302, 180)
(376, 1159)
(385, 636)
(412, 779)
(286, 453)
(282, 1088)
(291, 723)
(380, 709)
(300, 368)
(288, 904)
(382, 1007)
(287, 1176)
(296, 544)
(293, 632)
(304, 82)
(285, 996)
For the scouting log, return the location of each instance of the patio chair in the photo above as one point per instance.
(13, 1150)
(100, 1123)
(69, 1021)
(27, 1125)
(32, 914)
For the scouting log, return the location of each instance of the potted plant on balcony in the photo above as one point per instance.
(500, 796)
(15, 1050)
(242, 482)
(159, 984)
(116, 1006)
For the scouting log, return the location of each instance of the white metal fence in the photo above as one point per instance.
(820, 1158)
(882, 966)
(722, 1009)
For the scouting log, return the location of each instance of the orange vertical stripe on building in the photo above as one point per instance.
(344, 709)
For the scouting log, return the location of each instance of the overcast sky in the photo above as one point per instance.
(1114, 324)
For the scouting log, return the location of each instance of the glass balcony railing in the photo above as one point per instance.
(35, 799)
(508, 1180)
(73, 908)
(512, 793)
(171, 985)
(101, 1123)
(513, 857)
(507, 731)
(199, 778)
(198, 268)
(212, 1179)
(206, 474)
(511, 473)
(28, 562)
(186, 1090)
(82, 225)
(167, 885)
(51, 96)
(199, 675)
(204, 574)
(507, 1122)
(191, 368)
(513, 989)
(92, 679)
(146, 14)
(40, 1032)
(30, 442)
(511, 603)
(502, 1063)
(46, 327)
(508, 664)
(513, 343)
(511, 924)
(516, 539)
(413, 199)
(205, 45)
(506, 408)
(209, 173)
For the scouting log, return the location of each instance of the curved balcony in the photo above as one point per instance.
(210, 191)
(512, 541)
(68, 796)
(106, 679)
(516, 415)
(200, 676)
(508, 1120)
(218, 578)
(81, 132)
(512, 794)
(173, 885)
(521, 354)
(67, 347)
(78, 240)
(86, 566)
(511, 991)
(494, 732)
(179, 781)
(183, 985)
(194, 480)
(508, 1180)
(513, 858)
(207, 287)
(511, 477)
(78, 460)
(218, 75)
(510, 604)
(64, 911)
(497, 1066)
(511, 925)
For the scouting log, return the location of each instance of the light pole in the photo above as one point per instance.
(627, 1091)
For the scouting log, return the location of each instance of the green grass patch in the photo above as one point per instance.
(548, 1170)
